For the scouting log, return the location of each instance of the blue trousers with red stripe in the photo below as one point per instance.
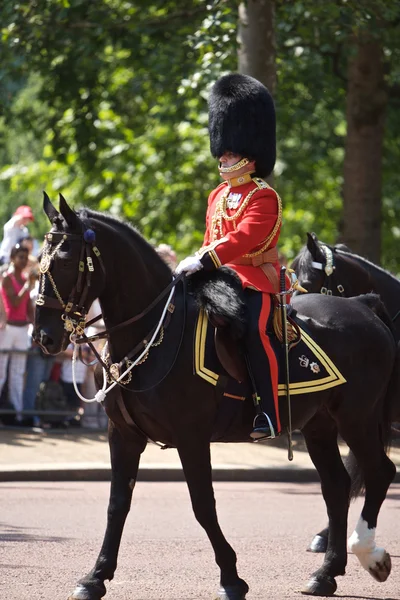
(262, 358)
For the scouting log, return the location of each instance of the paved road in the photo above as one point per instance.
(50, 534)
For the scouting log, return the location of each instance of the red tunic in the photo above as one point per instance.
(253, 232)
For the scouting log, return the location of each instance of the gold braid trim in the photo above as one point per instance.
(293, 331)
(220, 214)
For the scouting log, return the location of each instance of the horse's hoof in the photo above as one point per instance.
(80, 593)
(318, 544)
(382, 569)
(233, 592)
(320, 587)
(91, 592)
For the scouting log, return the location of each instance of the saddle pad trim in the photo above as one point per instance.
(334, 378)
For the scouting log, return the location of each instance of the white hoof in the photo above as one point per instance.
(375, 560)
(79, 593)
(382, 568)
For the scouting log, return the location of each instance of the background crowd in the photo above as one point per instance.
(37, 389)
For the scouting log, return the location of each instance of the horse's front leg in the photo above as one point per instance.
(196, 462)
(125, 456)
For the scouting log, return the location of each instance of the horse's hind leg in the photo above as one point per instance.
(321, 438)
(319, 543)
(196, 463)
(379, 472)
(125, 455)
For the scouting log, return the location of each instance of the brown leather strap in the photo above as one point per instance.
(266, 262)
(270, 256)
(270, 271)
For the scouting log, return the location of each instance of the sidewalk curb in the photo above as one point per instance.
(162, 474)
(167, 474)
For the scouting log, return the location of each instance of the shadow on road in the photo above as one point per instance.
(12, 533)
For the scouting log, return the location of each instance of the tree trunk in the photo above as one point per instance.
(256, 35)
(365, 113)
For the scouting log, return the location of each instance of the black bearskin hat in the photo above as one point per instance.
(242, 121)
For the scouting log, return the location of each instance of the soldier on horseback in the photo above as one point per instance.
(243, 223)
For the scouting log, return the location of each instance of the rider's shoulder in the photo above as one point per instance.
(263, 187)
(216, 191)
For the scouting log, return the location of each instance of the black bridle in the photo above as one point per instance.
(74, 310)
(329, 268)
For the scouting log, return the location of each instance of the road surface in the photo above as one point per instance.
(50, 535)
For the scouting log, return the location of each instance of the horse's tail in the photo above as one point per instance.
(389, 412)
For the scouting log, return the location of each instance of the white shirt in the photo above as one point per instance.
(11, 236)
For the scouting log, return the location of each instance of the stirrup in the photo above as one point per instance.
(265, 432)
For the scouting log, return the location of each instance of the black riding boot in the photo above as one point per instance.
(265, 423)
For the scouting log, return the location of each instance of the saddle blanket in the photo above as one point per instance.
(311, 369)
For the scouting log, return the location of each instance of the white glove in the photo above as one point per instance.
(189, 265)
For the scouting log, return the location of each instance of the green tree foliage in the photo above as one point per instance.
(106, 102)
(124, 86)
(314, 42)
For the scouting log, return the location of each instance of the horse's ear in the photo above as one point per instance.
(313, 246)
(69, 215)
(49, 209)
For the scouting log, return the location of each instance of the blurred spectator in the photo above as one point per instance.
(3, 316)
(66, 378)
(28, 242)
(168, 255)
(14, 230)
(15, 292)
(282, 259)
(38, 368)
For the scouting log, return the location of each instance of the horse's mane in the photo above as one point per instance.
(219, 292)
(302, 258)
(125, 229)
(367, 263)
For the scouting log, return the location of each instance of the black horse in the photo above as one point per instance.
(335, 270)
(90, 255)
(351, 275)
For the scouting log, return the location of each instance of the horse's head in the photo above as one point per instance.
(71, 277)
(331, 270)
(310, 265)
